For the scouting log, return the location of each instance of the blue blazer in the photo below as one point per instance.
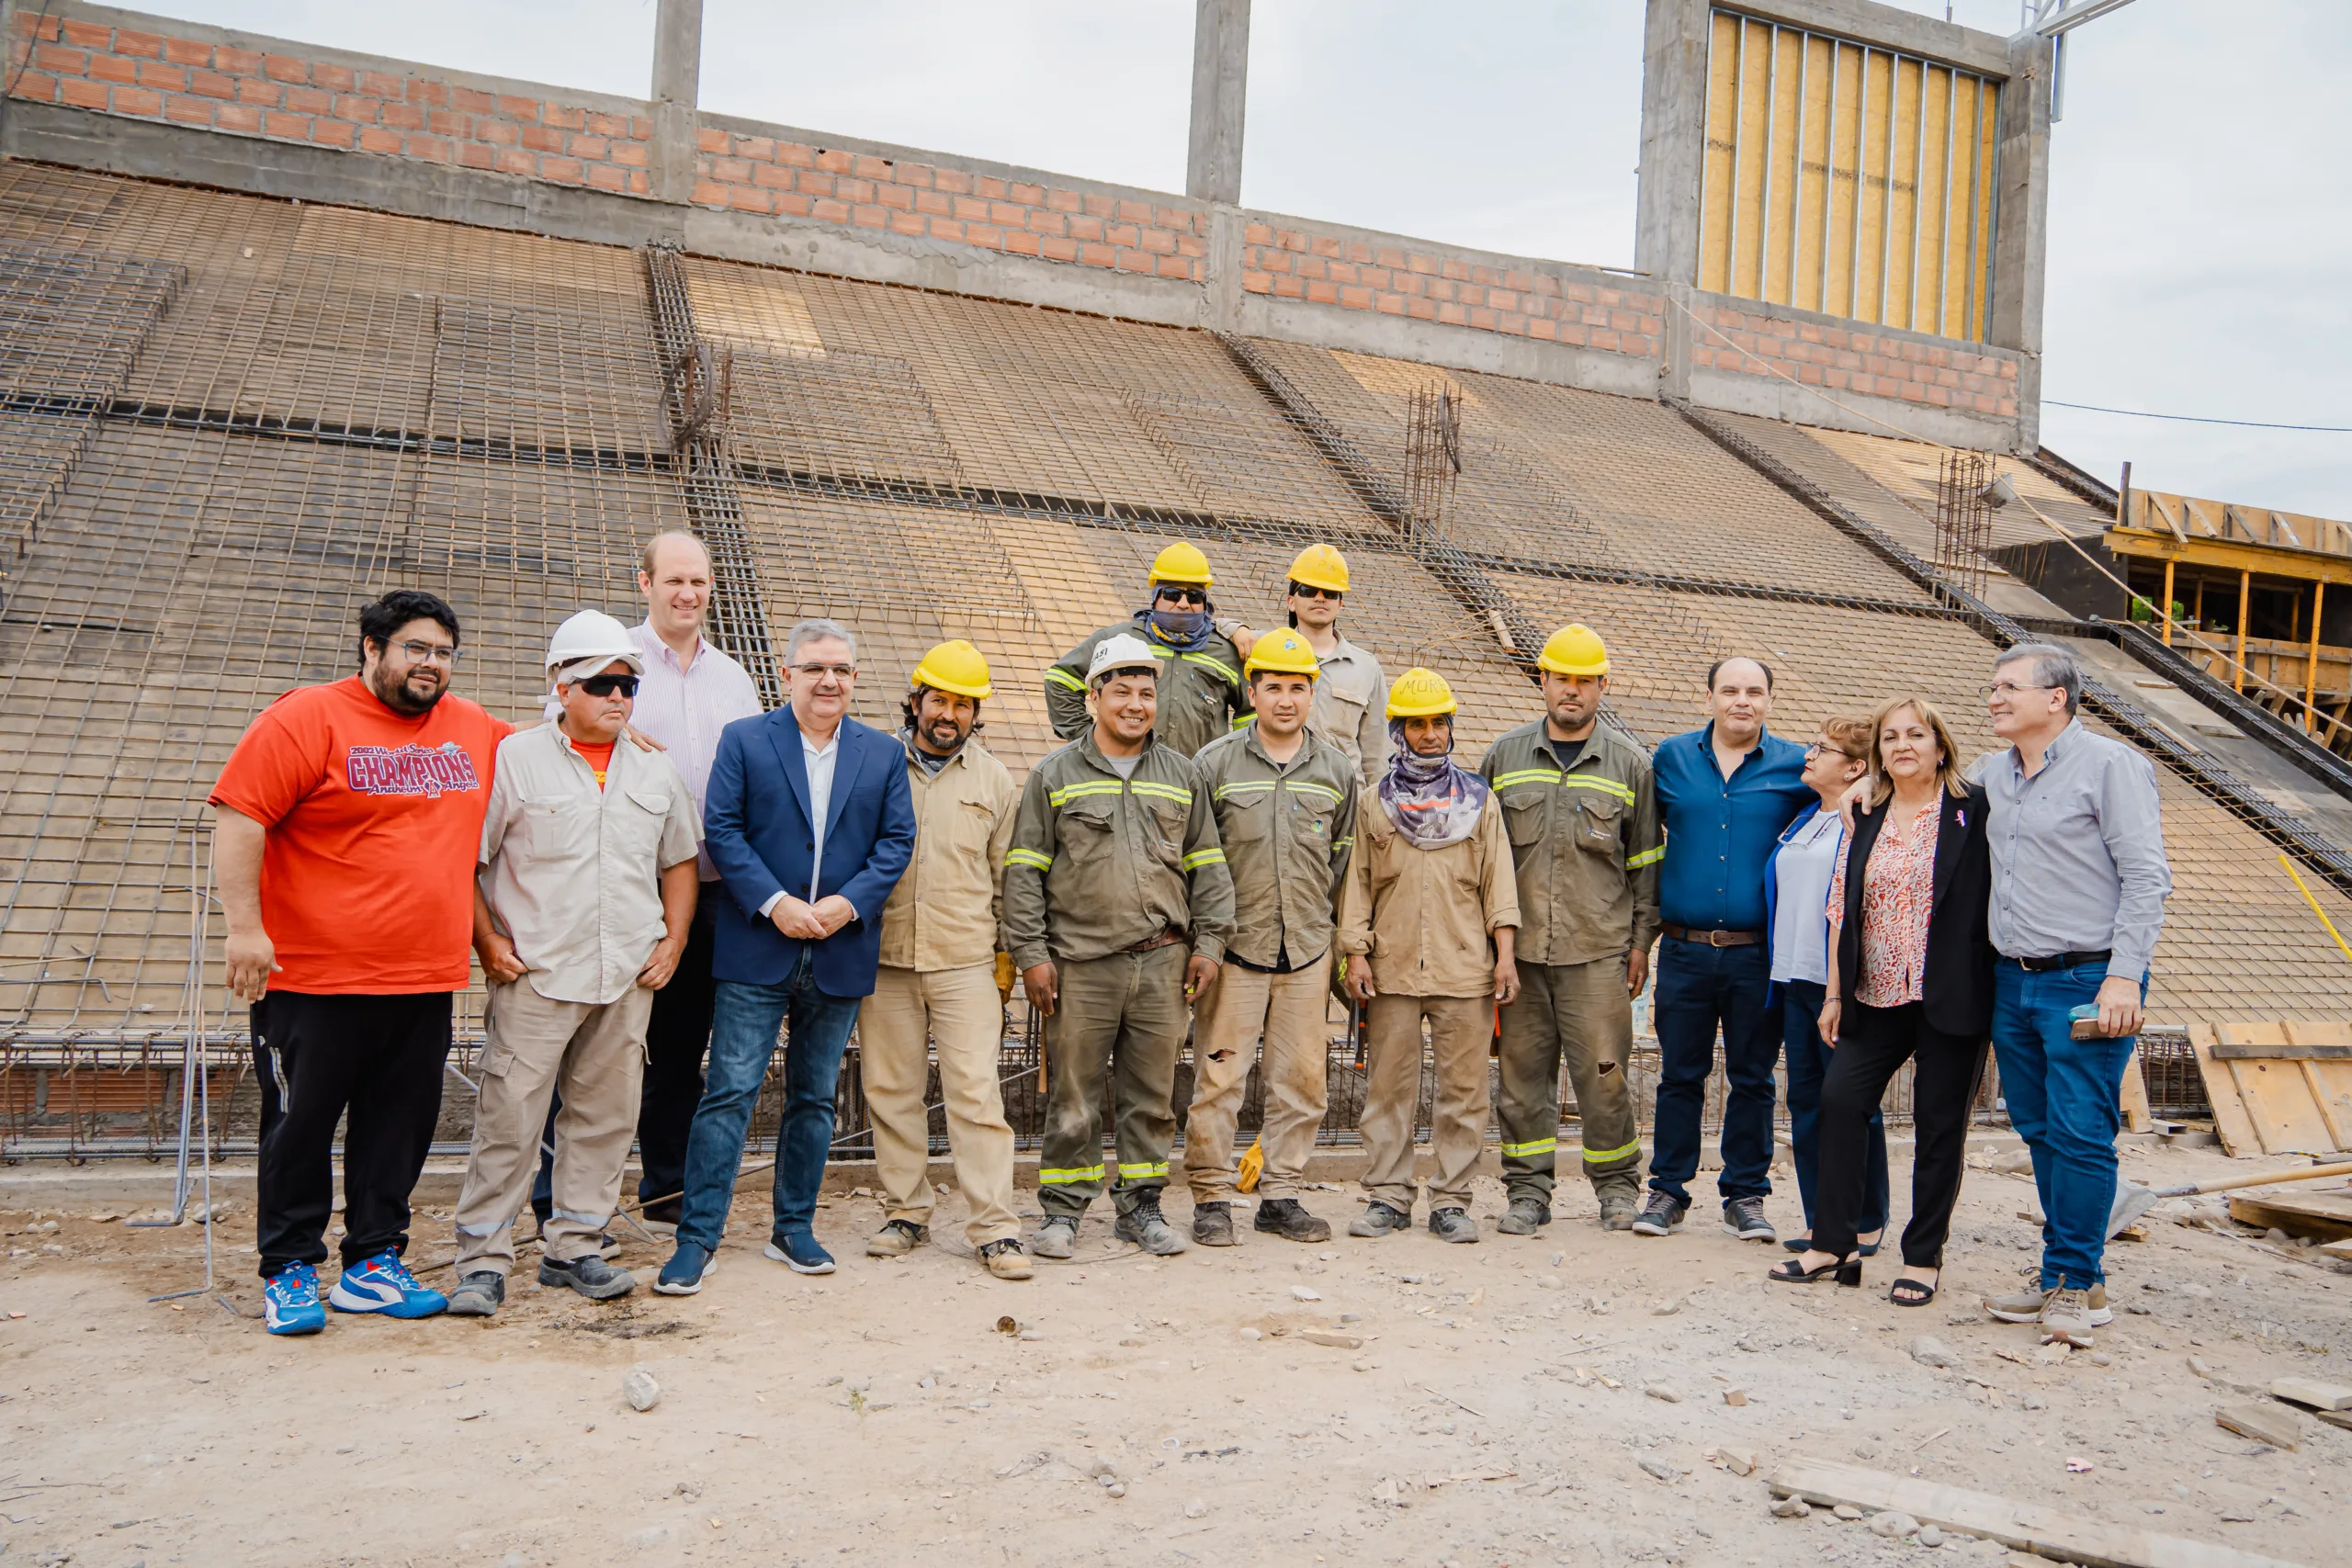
(756, 825)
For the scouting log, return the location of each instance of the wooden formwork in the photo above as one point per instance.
(2279, 1087)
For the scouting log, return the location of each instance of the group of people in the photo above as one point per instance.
(1242, 826)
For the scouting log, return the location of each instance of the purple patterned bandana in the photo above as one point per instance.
(1432, 801)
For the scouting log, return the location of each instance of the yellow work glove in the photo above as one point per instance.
(1004, 977)
(1253, 1165)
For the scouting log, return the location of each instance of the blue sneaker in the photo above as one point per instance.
(384, 1284)
(290, 1301)
(799, 1251)
(683, 1274)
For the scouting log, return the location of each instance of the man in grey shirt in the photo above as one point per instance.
(2079, 881)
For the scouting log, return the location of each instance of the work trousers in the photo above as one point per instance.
(1583, 1013)
(1872, 1044)
(1702, 989)
(1288, 1011)
(1119, 1019)
(2066, 1101)
(379, 1058)
(960, 1011)
(1460, 1031)
(745, 1018)
(1801, 1003)
(595, 1055)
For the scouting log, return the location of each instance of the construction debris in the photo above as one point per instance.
(640, 1388)
(2273, 1424)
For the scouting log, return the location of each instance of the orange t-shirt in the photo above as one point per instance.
(598, 758)
(375, 828)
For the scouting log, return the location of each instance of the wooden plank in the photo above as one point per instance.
(2327, 1216)
(2282, 1053)
(2279, 1104)
(2311, 1392)
(2329, 1080)
(2137, 1117)
(2026, 1527)
(2230, 1120)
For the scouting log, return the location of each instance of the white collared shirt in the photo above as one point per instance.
(818, 761)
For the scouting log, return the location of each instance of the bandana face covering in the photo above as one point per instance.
(1186, 631)
(1432, 801)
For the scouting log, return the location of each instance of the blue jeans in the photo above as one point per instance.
(2064, 1099)
(1809, 1059)
(1700, 989)
(744, 1022)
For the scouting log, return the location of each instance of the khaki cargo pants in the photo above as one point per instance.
(1111, 1050)
(1289, 1011)
(596, 1055)
(1460, 1031)
(1582, 1012)
(959, 1010)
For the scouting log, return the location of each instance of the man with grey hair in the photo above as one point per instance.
(811, 821)
(2079, 880)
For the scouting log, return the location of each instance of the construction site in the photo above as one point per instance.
(284, 327)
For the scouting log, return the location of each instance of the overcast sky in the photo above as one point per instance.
(2201, 180)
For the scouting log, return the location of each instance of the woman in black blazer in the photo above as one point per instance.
(1910, 978)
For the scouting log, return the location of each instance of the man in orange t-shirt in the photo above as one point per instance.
(347, 823)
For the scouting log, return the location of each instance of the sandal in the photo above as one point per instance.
(1909, 1292)
(1847, 1271)
(1804, 1244)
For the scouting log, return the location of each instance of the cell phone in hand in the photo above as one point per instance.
(2082, 1023)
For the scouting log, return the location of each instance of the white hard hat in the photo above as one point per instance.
(591, 641)
(1124, 651)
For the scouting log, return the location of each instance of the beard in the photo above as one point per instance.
(944, 735)
(397, 697)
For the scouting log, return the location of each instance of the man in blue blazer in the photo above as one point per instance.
(811, 823)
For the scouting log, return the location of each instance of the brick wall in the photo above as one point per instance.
(1356, 273)
(192, 82)
(1754, 340)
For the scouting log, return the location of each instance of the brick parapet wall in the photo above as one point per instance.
(1833, 356)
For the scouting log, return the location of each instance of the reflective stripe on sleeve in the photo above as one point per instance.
(1030, 857)
(1647, 857)
(1200, 858)
(1056, 673)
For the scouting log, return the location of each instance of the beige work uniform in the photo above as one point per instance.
(936, 987)
(1586, 841)
(1111, 879)
(1422, 919)
(1286, 829)
(572, 876)
(1350, 707)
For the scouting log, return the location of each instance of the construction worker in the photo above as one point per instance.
(1353, 690)
(1200, 670)
(938, 976)
(1117, 907)
(1285, 805)
(1582, 816)
(1427, 928)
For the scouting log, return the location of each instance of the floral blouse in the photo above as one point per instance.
(1898, 894)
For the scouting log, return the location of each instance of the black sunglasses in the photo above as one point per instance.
(1184, 595)
(1301, 591)
(607, 685)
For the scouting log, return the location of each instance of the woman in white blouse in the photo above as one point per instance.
(1796, 893)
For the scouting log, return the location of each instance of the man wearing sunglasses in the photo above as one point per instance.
(587, 894)
(1200, 685)
(1351, 688)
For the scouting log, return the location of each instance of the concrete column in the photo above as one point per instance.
(1674, 132)
(2022, 229)
(1220, 94)
(677, 81)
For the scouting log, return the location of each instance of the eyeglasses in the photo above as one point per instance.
(818, 672)
(421, 652)
(1183, 595)
(608, 685)
(2007, 689)
(1302, 590)
(1817, 748)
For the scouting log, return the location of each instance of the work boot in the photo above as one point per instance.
(1146, 1226)
(1452, 1224)
(1660, 1215)
(1058, 1237)
(1525, 1216)
(1744, 1220)
(1617, 1210)
(1004, 1259)
(1379, 1219)
(1288, 1218)
(2024, 1305)
(478, 1295)
(2066, 1316)
(1213, 1225)
(897, 1239)
(591, 1276)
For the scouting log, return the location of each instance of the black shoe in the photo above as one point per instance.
(1287, 1218)
(1149, 1228)
(1379, 1219)
(1660, 1215)
(1526, 1216)
(478, 1295)
(591, 1276)
(1744, 1220)
(1213, 1225)
(1452, 1224)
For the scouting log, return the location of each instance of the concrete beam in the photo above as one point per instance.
(1220, 95)
(1674, 130)
(677, 86)
(1886, 27)
(2021, 224)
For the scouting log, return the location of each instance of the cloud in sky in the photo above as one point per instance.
(2201, 214)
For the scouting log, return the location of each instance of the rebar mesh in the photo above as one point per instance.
(1963, 520)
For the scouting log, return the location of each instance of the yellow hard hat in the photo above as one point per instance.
(1282, 652)
(1180, 562)
(955, 667)
(1575, 651)
(1320, 566)
(1418, 694)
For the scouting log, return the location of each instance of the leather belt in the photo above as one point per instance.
(1711, 939)
(1169, 937)
(2045, 962)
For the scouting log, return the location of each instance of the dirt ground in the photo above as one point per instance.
(1552, 1400)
